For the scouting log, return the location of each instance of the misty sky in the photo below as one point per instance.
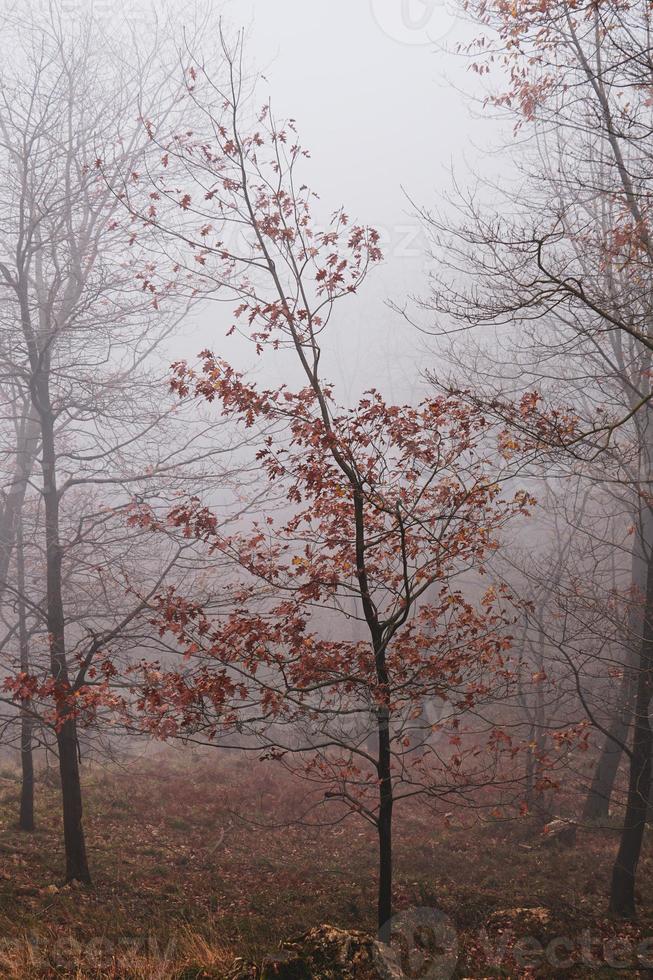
(374, 93)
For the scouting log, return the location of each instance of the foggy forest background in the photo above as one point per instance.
(326, 534)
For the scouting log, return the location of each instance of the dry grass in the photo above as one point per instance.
(196, 862)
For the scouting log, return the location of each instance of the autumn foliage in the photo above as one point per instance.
(349, 635)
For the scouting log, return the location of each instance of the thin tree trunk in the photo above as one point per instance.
(26, 817)
(385, 823)
(622, 891)
(66, 726)
(384, 757)
(597, 803)
(76, 859)
(536, 800)
(27, 439)
(11, 532)
(67, 741)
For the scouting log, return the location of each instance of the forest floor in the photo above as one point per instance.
(194, 865)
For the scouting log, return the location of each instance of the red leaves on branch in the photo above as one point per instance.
(431, 511)
(364, 598)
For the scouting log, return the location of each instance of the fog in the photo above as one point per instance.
(387, 112)
(326, 538)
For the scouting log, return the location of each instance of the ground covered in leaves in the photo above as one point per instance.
(200, 860)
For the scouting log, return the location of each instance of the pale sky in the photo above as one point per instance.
(375, 95)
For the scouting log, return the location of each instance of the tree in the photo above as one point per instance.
(392, 508)
(81, 324)
(572, 248)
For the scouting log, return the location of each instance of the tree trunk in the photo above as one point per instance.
(597, 803)
(71, 790)
(384, 756)
(67, 741)
(622, 891)
(27, 440)
(538, 802)
(26, 816)
(39, 342)
(385, 825)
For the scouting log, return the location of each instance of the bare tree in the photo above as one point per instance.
(84, 315)
(566, 259)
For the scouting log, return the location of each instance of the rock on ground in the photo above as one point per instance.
(323, 953)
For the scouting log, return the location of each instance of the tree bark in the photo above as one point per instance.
(26, 816)
(76, 859)
(384, 757)
(537, 801)
(597, 803)
(27, 439)
(67, 740)
(622, 891)
(385, 823)
(39, 351)
(599, 795)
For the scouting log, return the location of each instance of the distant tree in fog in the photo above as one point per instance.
(85, 429)
(566, 259)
